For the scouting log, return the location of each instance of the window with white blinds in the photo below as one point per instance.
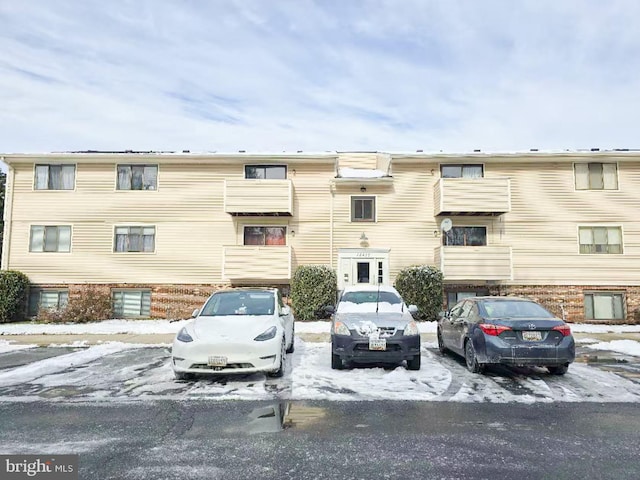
(596, 176)
(600, 240)
(132, 303)
(50, 238)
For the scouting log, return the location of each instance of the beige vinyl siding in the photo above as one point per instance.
(258, 196)
(460, 264)
(542, 226)
(257, 262)
(464, 195)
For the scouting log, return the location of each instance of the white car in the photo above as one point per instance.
(237, 331)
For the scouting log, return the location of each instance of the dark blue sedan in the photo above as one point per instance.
(508, 331)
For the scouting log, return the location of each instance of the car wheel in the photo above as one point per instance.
(183, 376)
(283, 353)
(336, 362)
(470, 357)
(291, 347)
(441, 346)
(558, 369)
(414, 363)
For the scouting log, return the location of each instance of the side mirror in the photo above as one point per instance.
(413, 309)
(329, 310)
(285, 311)
(195, 313)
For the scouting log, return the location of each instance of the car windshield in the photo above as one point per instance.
(369, 301)
(240, 303)
(514, 309)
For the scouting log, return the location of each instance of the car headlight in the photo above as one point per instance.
(268, 334)
(340, 328)
(184, 336)
(411, 328)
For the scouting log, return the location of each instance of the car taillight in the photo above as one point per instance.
(493, 330)
(563, 329)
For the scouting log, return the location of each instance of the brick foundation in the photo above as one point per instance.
(563, 300)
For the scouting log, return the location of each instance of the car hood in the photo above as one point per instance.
(362, 321)
(230, 327)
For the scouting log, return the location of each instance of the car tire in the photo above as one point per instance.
(292, 347)
(558, 369)
(336, 362)
(471, 359)
(283, 354)
(414, 363)
(441, 347)
(183, 376)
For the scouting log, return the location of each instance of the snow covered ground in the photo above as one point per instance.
(125, 372)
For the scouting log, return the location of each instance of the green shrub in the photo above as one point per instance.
(421, 285)
(14, 287)
(90, 304)
(312, 287)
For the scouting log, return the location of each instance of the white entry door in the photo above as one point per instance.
(363, 266)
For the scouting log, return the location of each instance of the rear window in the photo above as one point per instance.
(513, 309)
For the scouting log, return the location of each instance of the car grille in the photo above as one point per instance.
(228, 366)
(364, 347)
(387, 332)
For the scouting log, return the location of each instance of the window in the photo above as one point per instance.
(135, 239)
(137, 177)
(596, 176)
(276, 172)
(461, 171)
(55, 177)
(600, 240)
(604, 306)
(50, 238)
(132, 303)
(455, 297)
(363, 209)
(465, 236)
(47, 299)
(265, 235)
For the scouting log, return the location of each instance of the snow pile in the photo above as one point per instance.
(628, 347)
(6, 346)
(346, 172)
(107, 327)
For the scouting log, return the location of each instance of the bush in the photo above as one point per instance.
(90, 304)
(312, 287)
(14, 287)
(421, 286)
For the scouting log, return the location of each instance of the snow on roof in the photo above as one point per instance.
(346, 172)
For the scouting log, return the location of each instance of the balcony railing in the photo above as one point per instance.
(256, 263)
(472, 196)
(474, 263)
(258, 197)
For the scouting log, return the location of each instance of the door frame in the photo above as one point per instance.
(347, 263)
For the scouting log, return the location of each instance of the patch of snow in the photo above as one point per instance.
(586, 340)
(346, 172)
(628, 347)
(9, 346)
(106, 327)
(369, 307)
(593, 328)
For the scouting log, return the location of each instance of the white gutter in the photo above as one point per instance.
(7, 216)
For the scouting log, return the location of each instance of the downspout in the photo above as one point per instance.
(332, 194)
(7, 215)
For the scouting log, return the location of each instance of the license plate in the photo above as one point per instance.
(532, 336)
(217, 361)
(377, 344)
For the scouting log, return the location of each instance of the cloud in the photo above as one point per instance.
(318, 75)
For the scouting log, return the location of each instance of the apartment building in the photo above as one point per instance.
(162, 231)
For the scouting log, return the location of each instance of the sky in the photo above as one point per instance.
(318, 75)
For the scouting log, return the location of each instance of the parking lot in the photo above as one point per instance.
(135, 372)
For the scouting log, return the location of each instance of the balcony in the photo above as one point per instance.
(258, 197)
(474, 263)
(472, 196)
(249, 263)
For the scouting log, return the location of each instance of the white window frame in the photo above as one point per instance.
(589, 188)
(265, 165)
(486, 236)
(353, 198)
(48, 177)
(131, 165)
(604, 294)
(123, 291)
(142, 226)
(619, 227)
(462, 165)
(34, 229)
(261, 225)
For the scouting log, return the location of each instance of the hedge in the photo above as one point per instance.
(14, 287)
(421, 285)
(312, 287)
